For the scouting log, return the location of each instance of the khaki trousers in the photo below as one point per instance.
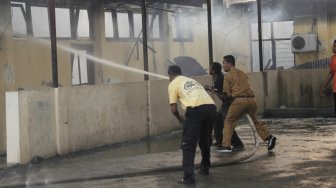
(238, 108)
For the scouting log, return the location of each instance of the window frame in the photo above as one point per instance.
(179, 37)
(26, 12)
(273, 41)
(116, 38)
(89, 63)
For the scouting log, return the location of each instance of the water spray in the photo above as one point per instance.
(99, 60)
(153, 171)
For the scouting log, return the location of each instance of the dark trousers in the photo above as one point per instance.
(219, 125)
(197, 126)
(334, 94)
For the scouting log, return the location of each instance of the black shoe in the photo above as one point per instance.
(222, 149)
(216, 144)
(271, 142)
(203, 172)
(186, 181)
(238, 147)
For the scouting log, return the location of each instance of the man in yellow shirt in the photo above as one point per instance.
(236, 86)
(199, 117)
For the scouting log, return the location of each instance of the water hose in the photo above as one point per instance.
(153, 171)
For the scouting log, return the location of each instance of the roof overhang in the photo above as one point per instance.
(85, 3)
(232, 2)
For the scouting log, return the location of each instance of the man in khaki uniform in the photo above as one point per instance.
(236, 86)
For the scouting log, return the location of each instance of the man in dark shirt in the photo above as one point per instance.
(218, 79)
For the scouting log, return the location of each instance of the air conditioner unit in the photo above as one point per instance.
(304, 42)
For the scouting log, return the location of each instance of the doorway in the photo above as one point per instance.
(82, 69)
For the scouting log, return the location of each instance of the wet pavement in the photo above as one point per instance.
(2, 161)
(305, 156)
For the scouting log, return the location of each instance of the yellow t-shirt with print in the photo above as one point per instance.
(189, 92)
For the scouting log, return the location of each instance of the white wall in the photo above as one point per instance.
(13, 129)
(63, 120)
(30, 124)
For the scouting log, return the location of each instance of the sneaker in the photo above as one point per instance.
(218, 147)
(271, 142)
(238, 147)
(203, 172)
(186, 181)
(222, 149)
(216, 144)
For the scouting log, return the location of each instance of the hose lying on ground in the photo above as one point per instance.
(149, 171)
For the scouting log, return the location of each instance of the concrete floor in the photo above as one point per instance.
(305, 156)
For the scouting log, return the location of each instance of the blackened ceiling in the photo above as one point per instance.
(85, 3)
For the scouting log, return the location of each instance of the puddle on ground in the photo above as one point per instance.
(300, 141)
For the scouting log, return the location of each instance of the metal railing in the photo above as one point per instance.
(318, 64)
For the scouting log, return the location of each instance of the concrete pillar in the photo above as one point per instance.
(97, 23)
(61, 116)
(166, 32)
(5, 66)
(13, 131)
(271, 84)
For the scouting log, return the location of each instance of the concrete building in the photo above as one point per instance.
(95, 36)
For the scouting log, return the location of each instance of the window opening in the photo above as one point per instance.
(63, 23)
(181, 28)
(83, 27)
(79, 69)
(19, 19)
(276, 45)
(128, 25)
(109, 29)
(123, 25)
(40, 21)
